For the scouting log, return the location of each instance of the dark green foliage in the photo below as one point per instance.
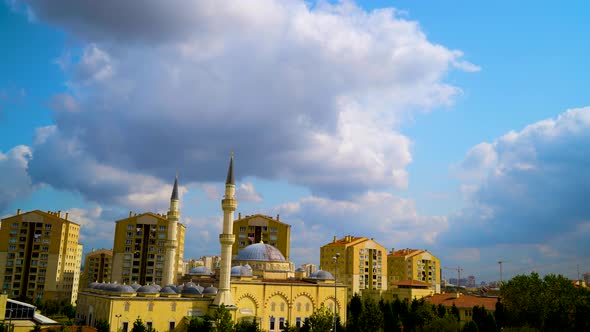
(444, 324)
(252, 326)
(103, 326)
(470, 326)
(548, 304)
(306, 327)
(321, 320)
(198, 324)
(36, 328)
(455, 312)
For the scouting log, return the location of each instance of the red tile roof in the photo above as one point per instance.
(404, 252)
(463, 301)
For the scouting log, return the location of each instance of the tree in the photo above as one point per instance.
(455, 312)
(371, 316)
(36, 328)
(470, 326)
(321, 320)
(138, 326)
(355, 309)
(252, 326)
(103, 326)
(198, 324)
(222, 319)
(442, 324)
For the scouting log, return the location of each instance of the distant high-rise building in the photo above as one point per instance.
(586, 277)
(97, 267)
(414, 264)
(40, 256)
(149, 247)
(361, 263)
(260, 228)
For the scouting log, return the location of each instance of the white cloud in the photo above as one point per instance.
(313, 96)
(246, 192)
(15, 183)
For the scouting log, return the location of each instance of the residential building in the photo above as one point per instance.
(97, 266)
(260, 228)
(149, 247)
(464, 303)
(361, 263)
(414, 264)
(40, 256)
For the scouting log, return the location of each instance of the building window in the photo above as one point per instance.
(272, 324)
(281, 323)
(125, 326)
(242, 228)
(148, 325)
(282, 307)
(273, 230)
(127, 305)
(298, 306)
(151, 306)
(307, 307)
(171, 326)
(173, 306)
(272, 306)
(298, 321)
(162, 228)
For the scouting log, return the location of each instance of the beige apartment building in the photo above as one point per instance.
(361, 264)
(98, 265)
(260, 228)
(40, 256)
(139, 249)
(414, 264)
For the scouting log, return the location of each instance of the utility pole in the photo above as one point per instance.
(500, 263)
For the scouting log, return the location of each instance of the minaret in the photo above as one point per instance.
(169, 276)
(227, 238)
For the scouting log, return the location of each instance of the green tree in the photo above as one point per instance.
(321, 320)
(198, 324)
(306, 327)
(222, 319)
(470, 326)
(36, 328)
(252, 326)
(455, 312)
(371, 316)
(355, 309)
(103, 326)
(138, 326)
(442, 324)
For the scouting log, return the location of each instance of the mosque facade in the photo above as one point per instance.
(259, 284)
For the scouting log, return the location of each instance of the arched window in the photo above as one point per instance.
(173, 306)
(282, 307)
(307, 307)
(272, 306)
(298, 306)
(151, 306)
(127, 305)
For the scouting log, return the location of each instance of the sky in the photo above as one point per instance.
(458, 127)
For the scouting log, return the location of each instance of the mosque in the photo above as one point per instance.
(257, 284)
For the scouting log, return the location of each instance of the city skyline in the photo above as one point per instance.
(458, 128)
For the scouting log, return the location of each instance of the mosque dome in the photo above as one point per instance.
(241, 271)
(135, 285)
(322, 275)
(260, 252)
(200, 271)
(210, 290)
(147, 289)
(191, 291)
(168, 290)
(125, 289)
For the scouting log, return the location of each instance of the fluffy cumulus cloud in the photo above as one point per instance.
(311, 95)
(390, 220)
(14, 179)
(531, 189)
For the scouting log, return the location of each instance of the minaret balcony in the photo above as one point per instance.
(227, 238)
(229, 203)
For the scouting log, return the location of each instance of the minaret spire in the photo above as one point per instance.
(229, 205)
(169, 275)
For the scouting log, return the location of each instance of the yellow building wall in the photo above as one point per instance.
(272, 231)
(354, 252)
(253, 299)
(125, 246)
(418, 265)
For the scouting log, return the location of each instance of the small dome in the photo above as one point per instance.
(200, 271)
(102, 286)
(156, 286)
(210, 290)
(168, 290)
(112, 287)
(300, 269)
(322, 275)
(93, 284)
(174, 288)
(125, 289)
(191, 291)
(135, 285)
(200, 288)
(147, 289)
(260, 252)
(241, 271)
(190, 284)
(179, 288)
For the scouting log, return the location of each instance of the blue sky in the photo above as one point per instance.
(459, 127)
